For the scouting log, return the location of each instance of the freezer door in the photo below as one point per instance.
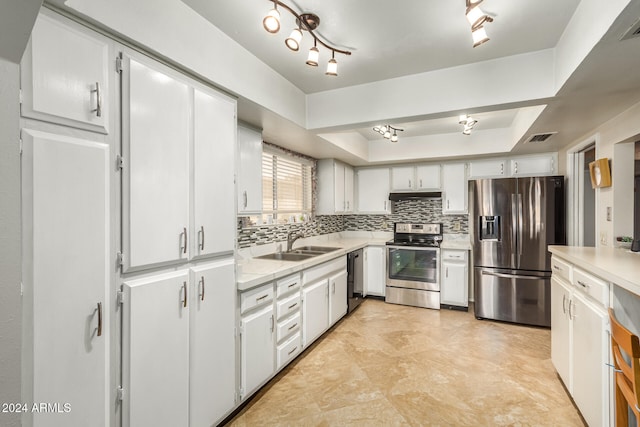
(540, 219)
(493, 230)
(513, 296)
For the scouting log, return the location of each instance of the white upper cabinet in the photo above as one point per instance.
(545, 164)
(428, 177)
(492, 168)
(249, 171)
(454, 189)
(65, 75)
(373, 190)
(335, 187)
(66, 276)
(214, 140)
(156, 135)
(403, 178)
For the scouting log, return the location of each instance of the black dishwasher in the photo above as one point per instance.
(354, 279)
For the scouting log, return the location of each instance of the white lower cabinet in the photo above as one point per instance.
(212, 355)
(580, 343)
(454, 287)
(375, 271)
(66, 277)
(155, 351)
(288, 350)
(257, 343)
(315, 310)
(337, 296)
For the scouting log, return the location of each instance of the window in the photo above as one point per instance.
(286, 187)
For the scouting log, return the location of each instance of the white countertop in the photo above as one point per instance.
(618, 266)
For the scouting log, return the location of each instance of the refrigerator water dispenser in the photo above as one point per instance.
(489, 228)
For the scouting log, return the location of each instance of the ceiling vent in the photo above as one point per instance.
(540, 137)
(633, 31)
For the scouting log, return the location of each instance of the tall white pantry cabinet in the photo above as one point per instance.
(128, 236)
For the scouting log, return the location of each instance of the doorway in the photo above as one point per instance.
(588, 198)
(636, 195)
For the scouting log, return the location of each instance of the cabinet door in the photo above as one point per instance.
(454, 189)
(214, 217)
(534, 165)
(338, 296)
(428, 177)
(348, 188)
(65, 76)
(373, 190)
(66, 275)
(560, 330)
(455, 284)
(590, 354)
(402, 178)
(492, 168)
(315, 311)
(156, 133)
(249, 169)
(212, 353)
(375, 271)
(340, 204)
(155, 351)
(257, 349)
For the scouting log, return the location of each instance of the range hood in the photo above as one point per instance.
(415, 196)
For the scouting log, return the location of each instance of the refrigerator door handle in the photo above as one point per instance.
(515, 227)
(520, 227)
(513, 276)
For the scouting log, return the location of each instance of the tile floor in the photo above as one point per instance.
(391, 365)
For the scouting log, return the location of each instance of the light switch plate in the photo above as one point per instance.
(609, 213)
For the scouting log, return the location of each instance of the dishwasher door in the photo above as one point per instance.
(355, 279)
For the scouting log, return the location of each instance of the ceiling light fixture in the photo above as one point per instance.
(385, 131)
(477, 18)
(468, 122)
(307, 22)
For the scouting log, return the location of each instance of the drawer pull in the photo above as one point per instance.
(293, 305)
(98, 109)
(292, 350)
(262, 297)
(555, 267)
(564, 301)
(292, 285)
(292, 326)
(584, 285)
(99, 319)
(184, 288)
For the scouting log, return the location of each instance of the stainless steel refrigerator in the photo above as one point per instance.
(513, 220)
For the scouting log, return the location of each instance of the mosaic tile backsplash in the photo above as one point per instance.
(418, 211)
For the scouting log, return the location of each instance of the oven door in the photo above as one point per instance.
(413, 267)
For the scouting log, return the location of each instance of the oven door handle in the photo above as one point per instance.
(513, 276)
(415, 248)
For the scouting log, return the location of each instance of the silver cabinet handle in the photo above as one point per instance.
(201, 238)
(183, 237)
(564, 301)
(184, 288)
(385, 205)
(202, 288)
(420, 182)
(98, 109)
(584, 285)
(446, 272)
(99, 319)
(272, 323)
(292, 326)
(555, 267)
(571, 315)
(333, 290)
(293, 284)
(246, 199)
(262, 297)
(293, 305)
(448, 204)
(292, 350)
(409, 183)
(348, 205)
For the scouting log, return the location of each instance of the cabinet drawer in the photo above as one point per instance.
(288, 326)
(256, 297)
(288, 284)
(288, 306)
(561, 269)
(454, 255)
(592, 286)
(315, 273)
(288, 350)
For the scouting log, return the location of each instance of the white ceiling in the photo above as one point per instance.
(394, 39)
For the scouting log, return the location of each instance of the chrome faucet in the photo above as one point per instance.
(292, 238)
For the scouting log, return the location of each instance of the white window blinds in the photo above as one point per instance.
(286, 186)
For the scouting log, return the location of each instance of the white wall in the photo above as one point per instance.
(10, 261)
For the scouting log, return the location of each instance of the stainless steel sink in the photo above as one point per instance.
(287, 256)
(318, 249)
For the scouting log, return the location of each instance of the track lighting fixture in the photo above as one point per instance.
(477, 18)
(468, 122)
(385, 131)
(304, 22)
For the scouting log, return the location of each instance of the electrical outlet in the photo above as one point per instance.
(603, 238)
(609, 213)
(456, 226)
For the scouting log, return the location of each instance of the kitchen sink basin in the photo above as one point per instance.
(287, 256)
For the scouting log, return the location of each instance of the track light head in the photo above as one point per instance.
(293, 41)
(271, 22)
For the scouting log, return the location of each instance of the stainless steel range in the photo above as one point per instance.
(413, 265)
